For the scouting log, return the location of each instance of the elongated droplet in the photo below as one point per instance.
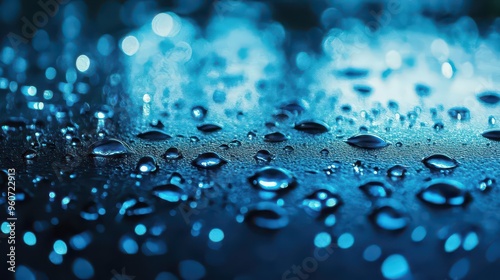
(440, 162)
(172, 154)
(375, 189)
(209, 160)
(169, 192)
(275, 137)
(444, 192)
(273, 179)
(492, 134)
(489, 97)
(209, 127)
(109, 148)
(154, 135)
(267, 215)
(263, 156)
(312, 126)
(367, 141)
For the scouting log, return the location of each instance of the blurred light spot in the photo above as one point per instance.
(439, 49)
(322, 240)
(48, 94)
(452, 243)
(36, 105)
(83, 63)
(470, 241)
(55, 258)
(393, 59)
(50, 73)
(60, 247)
(192, 270)
(5, 228)
(372, 253)
(29, 238)
(216, 235)
(460, 269)
(166, 276)
(395, 267)
(447, 70)
(29, 90)
(24, 273)
(418, 234)
(71, 27)
(146, 98)
(345, 241)
(140, 229)
(80, 241)
(106, 45)
(163, 24)
(303, 61)
(128, 245)
(130, 45)
(83, 269)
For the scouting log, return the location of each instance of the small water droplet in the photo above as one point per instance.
(273, 179)
(147, 164)
(312, 126)
(263, 156)
(109, 148)
(397, 172)
(194, 139)
(169, 192)
(267, 215)
(173, 153)
(438, 126)
(389, 215)
(487, 184)
(492, 134)
(325, 152)
(154, 135)
(235, 144)
(209, 160)
(209, 127)
(459, 113)
(492, 121)
(367, 141)
(288, 149)
(399, 144)
(375, 189)
(251, 135)
(444, 192)
(321, 202)
(438, 162)
(363, 90)
(157, 124)
(275, 137)
(30, 154)
(198, 113)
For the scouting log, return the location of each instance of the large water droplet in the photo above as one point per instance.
(263, 156)
(172, 154)
(389, 215)
(169, 192)
(445, 192)
(275, 137)
(209, 127)
(321, 203)
(375, 189)
(109, 148)
(312, 126)
(440, 162)
(273, 179)
(489, 97)
(459, 113)
(154, 135)
(147, 164)
(492, 134)
(209, 160)
(367, 141)
(267, 215)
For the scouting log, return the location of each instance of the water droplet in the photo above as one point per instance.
(169, 192)
(219, 97)
(275, 137)
(288, 149)
(209, 160)
(263, 156)
(459, 113)
(147, 164)
(235, 144)
(273, 179)
(194, 139)
(312, 126)
(321, 202)
(422, 90)
(489, 97)
(104, 112)
(367, 141)
(399, 144)
(438, 126)
(363, 90)
(251, 135)
(109, 148)
(487, 184)
(491, 120)
(389, 215)
(332, 168)
(492, 134)
(157, 124)
(198, 113)
(154, 135)
(375, 189)
(396, 172)
(173, 153)
(324, 152)
(209, 127)
(444, 192)
(440, 162)
(297, 107)
(30, 154)
(354, 73)
(267, 215)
